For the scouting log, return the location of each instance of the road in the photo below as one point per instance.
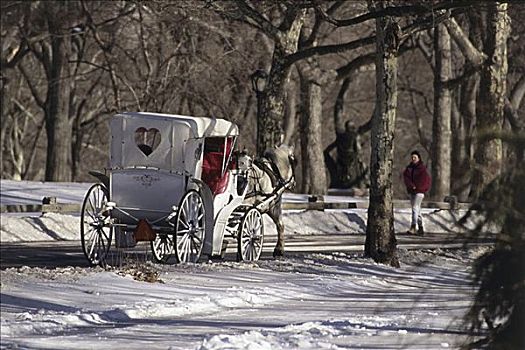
(51, 254)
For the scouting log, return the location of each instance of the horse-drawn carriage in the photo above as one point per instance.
(176, 181)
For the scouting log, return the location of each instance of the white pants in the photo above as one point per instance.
(415, 202)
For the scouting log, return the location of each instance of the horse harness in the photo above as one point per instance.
(270, 168)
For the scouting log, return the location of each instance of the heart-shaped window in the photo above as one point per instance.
(147, 140)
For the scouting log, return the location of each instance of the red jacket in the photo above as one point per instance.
(417, 179)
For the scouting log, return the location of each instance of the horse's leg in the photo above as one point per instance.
(275, 215)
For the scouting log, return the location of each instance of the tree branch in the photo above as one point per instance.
(453, 83)
(517, 93)
(319, 22)
(328, 49)
(34, 92)
(367, 59)
(12, 60)
(339, 105)
(471, 53)
(366, 126)
(512, 105)
(400, 11)
(358, 62)
(265, 25)
(426, 50)
(406, 31)
(124, 12)
(512, 116)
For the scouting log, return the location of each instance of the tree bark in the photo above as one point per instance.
(467, 47)
(313, 166)
(290, 114)
(380, 241)
(491, 98)
(56, 106)
(273, 103)
(463, 145)
(441, 126)
(460, 159)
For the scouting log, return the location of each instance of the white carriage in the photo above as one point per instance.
(171, 181)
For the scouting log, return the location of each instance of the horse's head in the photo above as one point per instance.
(284, 160)
(244, 161)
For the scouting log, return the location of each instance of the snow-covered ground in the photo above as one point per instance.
(306, 301)
(314, 301)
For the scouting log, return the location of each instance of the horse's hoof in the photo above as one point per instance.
(278, 253)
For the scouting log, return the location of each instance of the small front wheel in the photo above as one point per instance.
(190, 227)
(95, 229)
(163, 247)
(251, 236)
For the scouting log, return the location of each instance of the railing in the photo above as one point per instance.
(312, 202)
(318, 202)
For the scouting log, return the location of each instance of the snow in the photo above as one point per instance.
(32, 192)
(52, 226)
(313, 301)
(331, 300)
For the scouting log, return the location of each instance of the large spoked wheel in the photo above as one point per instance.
(190, 227)
(163, 247)
(250, 238)
(95, 229)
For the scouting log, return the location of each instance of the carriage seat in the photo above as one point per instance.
(211, 172)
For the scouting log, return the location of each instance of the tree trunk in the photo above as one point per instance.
(313, 167)
(491, 98)
(441, 132)
(56, 109)
(290, 114)
(339, 120)
(16, 150)
(273, 103)
(460, 159)
(380, 241)
(463, 152)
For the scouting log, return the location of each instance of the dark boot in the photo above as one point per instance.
(420, 230)
(412, 230)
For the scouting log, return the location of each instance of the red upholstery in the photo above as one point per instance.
(211, 172)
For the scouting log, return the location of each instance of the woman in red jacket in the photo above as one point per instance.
(417, 181)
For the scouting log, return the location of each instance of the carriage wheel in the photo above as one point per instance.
(163, 247)
(250, 238)
(190, 227)
(95, 229)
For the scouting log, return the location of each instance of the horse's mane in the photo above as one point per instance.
(279, 156)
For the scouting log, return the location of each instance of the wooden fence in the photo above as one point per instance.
(317, 202)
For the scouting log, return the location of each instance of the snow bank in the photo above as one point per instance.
(23, 227)
(48, 227)
(51, 226)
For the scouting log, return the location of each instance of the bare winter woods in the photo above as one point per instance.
(433, 76)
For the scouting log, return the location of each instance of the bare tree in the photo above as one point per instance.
(490, 103)
(52, 52)
(380, 241)
(313, 167)
(13, 50)
(441, 126)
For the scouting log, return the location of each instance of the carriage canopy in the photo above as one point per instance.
(164, 141)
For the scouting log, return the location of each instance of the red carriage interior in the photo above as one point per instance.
(216, 151)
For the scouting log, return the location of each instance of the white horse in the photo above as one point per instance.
(269, 176)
